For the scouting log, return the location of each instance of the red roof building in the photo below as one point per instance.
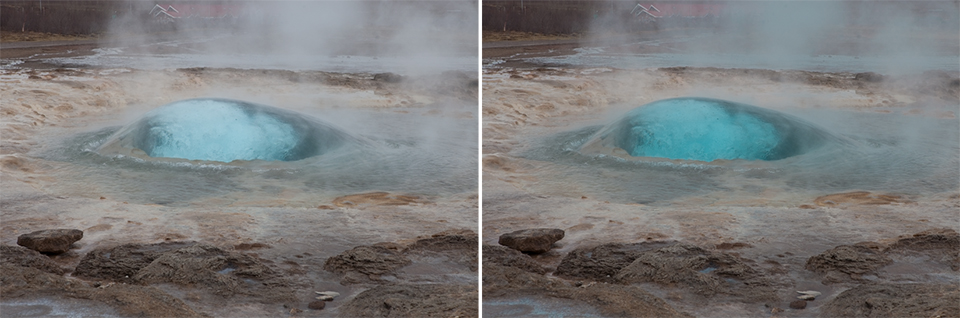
(682, 10)
(172, 12)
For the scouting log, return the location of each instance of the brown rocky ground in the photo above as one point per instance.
(126, 278)
(610, 277)
(497, 36)
(29, 36)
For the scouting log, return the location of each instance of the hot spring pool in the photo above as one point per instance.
(226, 130)
(707, 129)
(238, 152)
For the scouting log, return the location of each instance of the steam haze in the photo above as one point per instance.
(882, 36)
(399, 36)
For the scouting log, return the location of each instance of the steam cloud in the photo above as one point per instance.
(413, 36)
(894, 36)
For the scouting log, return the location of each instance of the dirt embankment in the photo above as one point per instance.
(9, 36)
(16, 45)
(496, 36)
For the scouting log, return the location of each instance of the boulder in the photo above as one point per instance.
(50, 241)
(531, 240)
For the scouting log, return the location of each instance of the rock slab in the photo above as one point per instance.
(20, 256)
(532, 240)
(414, 300)
(505, 256)
(50, 241)
(896, 300)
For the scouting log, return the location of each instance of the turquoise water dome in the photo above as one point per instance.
(226, 130)
(707, 129)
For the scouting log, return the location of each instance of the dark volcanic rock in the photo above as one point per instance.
(128, 300)
(20, 256)
(50, 241)
(458, 246)
(221, 272)
(895, 300)
(848, 261)
(499, 281)
(506, 256)
(122, 262)
(868, 77)
(602, 262)
(929, 240)
(427, 300)
(705, 272)
(387, 77)
(612, 300)
(17, 281)
(317, 305)
(372, 261)
(447, 252)
(942, 244)
(445, 241)
(798, 304)
(531, 240)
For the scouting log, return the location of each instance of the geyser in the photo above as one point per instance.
(227, 130)
(709, 129)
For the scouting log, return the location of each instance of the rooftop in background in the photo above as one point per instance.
(171, 12)
(684, 10)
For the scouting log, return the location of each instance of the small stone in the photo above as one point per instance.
(50, 241)
(798, 304)
(327, 295)
(868, 77)
(808, 294)
(532, 240)
(317, 305)
(387, 77)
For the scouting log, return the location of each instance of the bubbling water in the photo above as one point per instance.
(226, 130)
(707, 129)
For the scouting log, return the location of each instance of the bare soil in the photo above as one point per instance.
(497, 36)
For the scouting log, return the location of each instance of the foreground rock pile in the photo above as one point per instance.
(130, 278)
(613, 277)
